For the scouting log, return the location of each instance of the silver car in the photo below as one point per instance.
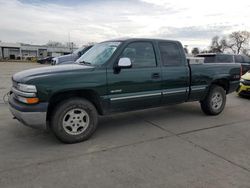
(70, 58)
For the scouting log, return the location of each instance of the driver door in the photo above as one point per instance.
(138, 86)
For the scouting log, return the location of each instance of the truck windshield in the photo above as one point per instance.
(99, 53)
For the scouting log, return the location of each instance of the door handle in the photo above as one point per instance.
(155, 75)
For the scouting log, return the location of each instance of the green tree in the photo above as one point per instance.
(195, 51)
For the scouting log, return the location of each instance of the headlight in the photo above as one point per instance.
(242, 80)
(27, 88)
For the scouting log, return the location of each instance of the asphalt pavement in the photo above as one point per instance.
(173, 146)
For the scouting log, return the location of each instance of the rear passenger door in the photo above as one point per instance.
(175, 73)
(138, 86)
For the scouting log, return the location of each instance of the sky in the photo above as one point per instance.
(192, 22)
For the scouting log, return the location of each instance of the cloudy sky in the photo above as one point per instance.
(193, 22)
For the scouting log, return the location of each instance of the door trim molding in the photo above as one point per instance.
(135, 96)
(171, 91)
(166, 92)
(198, 88)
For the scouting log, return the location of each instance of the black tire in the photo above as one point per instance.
(59, 116)
(208, 105)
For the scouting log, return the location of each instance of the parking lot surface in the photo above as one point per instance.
(174, 146)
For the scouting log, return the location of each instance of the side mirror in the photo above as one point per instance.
(124, 62)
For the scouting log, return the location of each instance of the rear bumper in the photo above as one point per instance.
(29, 115)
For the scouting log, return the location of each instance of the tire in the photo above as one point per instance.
(215, 101)
(74, 120)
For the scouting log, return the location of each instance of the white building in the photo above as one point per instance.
(22, 51)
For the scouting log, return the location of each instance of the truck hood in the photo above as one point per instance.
(26, 75)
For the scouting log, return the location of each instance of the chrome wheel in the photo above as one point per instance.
(75, 121)
(216, 100)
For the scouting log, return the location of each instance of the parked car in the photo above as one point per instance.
(117, 76)
(227, 58)
(45, 60)
(70, 58)
(244, 87)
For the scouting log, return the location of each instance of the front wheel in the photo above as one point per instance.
(215, 101)
(74, 120)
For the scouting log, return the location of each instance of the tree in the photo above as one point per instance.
(186, 49)
(223, 44)
(216, 46)
(238, 42)
(195, 51)
(246, 52)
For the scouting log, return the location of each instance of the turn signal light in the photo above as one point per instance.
(32, 100)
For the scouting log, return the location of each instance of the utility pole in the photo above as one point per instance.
(69, 40)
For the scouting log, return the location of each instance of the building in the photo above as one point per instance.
(20, 51)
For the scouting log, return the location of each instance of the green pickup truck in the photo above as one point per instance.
(117, 76)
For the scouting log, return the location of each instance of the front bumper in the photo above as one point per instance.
(30, 115)
(243, 89)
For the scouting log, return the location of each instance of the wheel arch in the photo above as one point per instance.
(223, 82)
(88, 94)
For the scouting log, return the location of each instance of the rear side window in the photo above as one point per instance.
(224, 59)
(141, 54)
(170, 54)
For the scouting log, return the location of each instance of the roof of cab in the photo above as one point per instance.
(139, 39)
(213, 54)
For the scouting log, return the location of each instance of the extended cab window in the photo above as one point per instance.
(141, 54)
(170, 54)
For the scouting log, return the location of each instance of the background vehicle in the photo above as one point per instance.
(195, 60)
(116, 76)
(70, 58)
(244, 87)
(227, 58)
(45, 60)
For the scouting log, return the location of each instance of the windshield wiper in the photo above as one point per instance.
(85, 63)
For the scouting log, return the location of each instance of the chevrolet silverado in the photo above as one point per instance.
(116, 76)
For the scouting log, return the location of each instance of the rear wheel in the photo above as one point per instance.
(74, 120)
(215, 101)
